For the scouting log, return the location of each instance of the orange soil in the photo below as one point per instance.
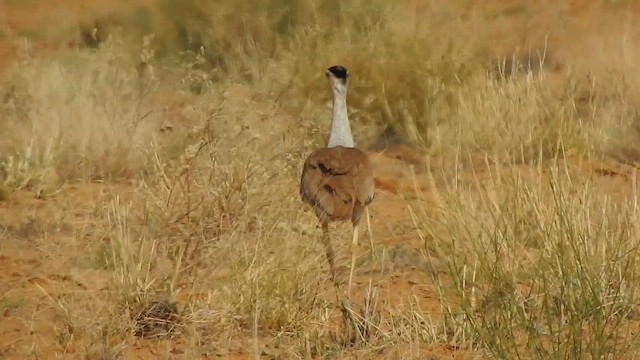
(36, 282)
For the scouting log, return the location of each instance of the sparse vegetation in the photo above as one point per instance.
(148, 184)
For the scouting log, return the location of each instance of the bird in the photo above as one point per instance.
(337, 180)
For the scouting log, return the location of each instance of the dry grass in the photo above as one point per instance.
(540, 269)
(198, 134)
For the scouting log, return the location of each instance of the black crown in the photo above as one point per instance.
(339, 71)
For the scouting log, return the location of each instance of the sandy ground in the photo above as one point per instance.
(32, 278)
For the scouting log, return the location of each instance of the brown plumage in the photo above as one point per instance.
(338, 183)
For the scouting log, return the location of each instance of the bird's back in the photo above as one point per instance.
(337, 182)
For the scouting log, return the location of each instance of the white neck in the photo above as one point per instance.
(340, 130)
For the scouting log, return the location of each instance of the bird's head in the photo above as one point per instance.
(337, 76)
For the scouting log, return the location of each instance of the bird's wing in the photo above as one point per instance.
(335, 179)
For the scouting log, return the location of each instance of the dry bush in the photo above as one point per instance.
(541, 269)
(606, 94)
(422, 70)
(205, 227)
(78, 116)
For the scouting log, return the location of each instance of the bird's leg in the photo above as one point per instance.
(369, 230)
(330, 254)
(347, 316)
(354, 243)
